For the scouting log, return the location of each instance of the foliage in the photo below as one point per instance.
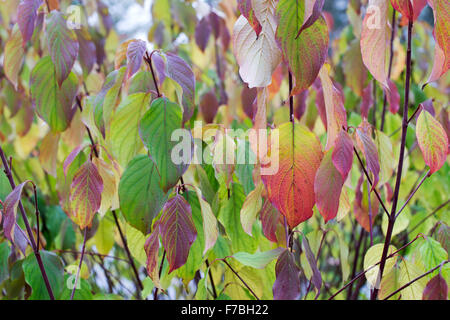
(121, 176)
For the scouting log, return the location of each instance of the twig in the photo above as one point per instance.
(28, 228)
(148, 60)
(412, 194)
(211, 280)
(431, 214)
(155, 295)
(242, 280)
(83, 249)
(416, 279)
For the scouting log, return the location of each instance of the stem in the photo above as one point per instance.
(242, 280)
(355, 261)
(370, 214)
(27, 226)
(374, 107)
(370, 181)
(83, 249)
(392, 217)
(412, 194)
(416, 279)
(211, 280)
(291, 99)
(155, 295)
(94, 148)
(432, 213)
(365, 271)
(391, 58)
(127, 250)
(148, 59)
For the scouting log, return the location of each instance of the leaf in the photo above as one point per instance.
(209, 106)
(55, 273)
(257, 56)
(404, 7)
(54, 104)
(386, 156)
(229, 216)
(393, 97)
(5, 250)
(367, 101)
(158, 126)
(48, 152)
(342, 154)
(104, 237)
(258, 260)
(334, 106)
(141, 198)
(306, 54)
(374, 39)
(152, 250)
(354, 69)
(27, 14)
(203, 33)
(408, 272)
(316, 277)
(287, 283)
(124, 133)
(136, 243)
(436, 289)
(13, 58)
(251, 208)
(209, 222)
(110, 194)
(135, 55)
(291, 188)
(62, 45)
(313, 11)
(433, 141)
(441, 32)
(373, 256)
(370, 152)
(246, 9)
(11, 230)
(87, 52)
(178, 70)
(269, 220)
(327, 188)
(431, 253)
(85, 194)
(177, 231)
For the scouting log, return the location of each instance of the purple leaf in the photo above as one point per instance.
(248, 99)
(11, 229)
(287, 283)
(135, 56)
(26, 17)
(151, 248)
(75, 152)
(177, 231)
(87, 51)
(209, 106)
(62, 45)
(367, 100)
(202, 33)
(436, 289)
(106, 17)
(300, 106)
(246, 9)
(179, 71)
(316, 13)
(343, 154)
(316, 277)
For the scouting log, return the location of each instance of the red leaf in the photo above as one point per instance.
(367, 100)
(393, 97)
(151, 248)
(404, 7)
(269, 220)
(202, 33)
(248, 98)
(436, 289)
(327, 188)
(85, 194)
(177, 231)
(343, 154)
(287, 283)
(370, 151)
(246, 9)
(87, 51)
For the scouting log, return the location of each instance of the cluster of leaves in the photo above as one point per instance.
(88, 116)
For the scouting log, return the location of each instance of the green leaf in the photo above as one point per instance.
(14, 54)
(258, 260)
(5, 250)
(140, 196)
(81, 293)
(54, 104)
(124, 134)
(55, 272)
(156, 129)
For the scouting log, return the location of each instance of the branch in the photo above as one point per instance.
(28, 228)
(155, 295)
(211, 279)
(392, 216)
(416, 279)
(148, 59)
(432, 213)
(242, 280)
(412, 194)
